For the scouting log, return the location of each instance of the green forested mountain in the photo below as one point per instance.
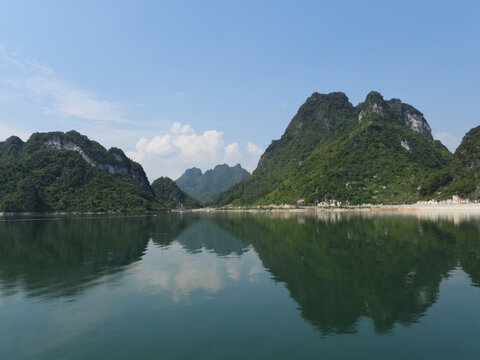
(189, 178)
(68, 172)
(208, 186)
(466, 167)
(376, 152)
(169, 193)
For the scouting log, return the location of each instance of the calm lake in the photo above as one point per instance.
(241, 286)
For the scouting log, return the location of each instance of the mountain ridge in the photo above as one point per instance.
(207, 186)
(380, 151)
(67, 172)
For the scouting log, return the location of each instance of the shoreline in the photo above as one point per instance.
(80, 213)
(404, 208)
(471, 207)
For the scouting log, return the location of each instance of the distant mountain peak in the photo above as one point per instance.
(224, 166)
(409, 116)
(373, 104)
(207, 186)
(374, 97)
(14, 140)
(194, 171)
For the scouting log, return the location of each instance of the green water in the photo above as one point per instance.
(240, 286)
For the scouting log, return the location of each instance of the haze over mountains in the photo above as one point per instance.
(207, 186)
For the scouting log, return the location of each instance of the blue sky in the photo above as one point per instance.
(177, 84)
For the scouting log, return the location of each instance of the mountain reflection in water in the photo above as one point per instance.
(337, 267)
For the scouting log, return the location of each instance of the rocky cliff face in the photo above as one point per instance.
(114, 162)
(405, 113)
(68, 172)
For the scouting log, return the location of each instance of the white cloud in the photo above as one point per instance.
(159, 145)
(181, 274)
(232, 154)
(253, 273)
(255, 152)
(33, 86)
(192, 145)
(181, 147)
(254, 149)
(447, 139)
(233, 267)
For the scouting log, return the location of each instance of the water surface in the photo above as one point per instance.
(239, 286)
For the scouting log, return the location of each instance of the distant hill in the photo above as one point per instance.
(207, 186)
(376, 152)
(68, 172)
(169, 193)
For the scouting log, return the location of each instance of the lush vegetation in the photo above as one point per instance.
(208, 186)
(377, 152)
(466, 167)
(169, 193)
(68, 172)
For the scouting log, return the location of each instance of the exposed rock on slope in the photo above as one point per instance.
(68, 172)
(377, 152)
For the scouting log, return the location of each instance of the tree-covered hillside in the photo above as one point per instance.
(169, 193)
(68, 172)
(208, 186)
(466, 167)
(377, 152)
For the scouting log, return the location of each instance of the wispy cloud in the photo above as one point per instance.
(57, 95)
(9, 59)
(67, 100)
(36, 87)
